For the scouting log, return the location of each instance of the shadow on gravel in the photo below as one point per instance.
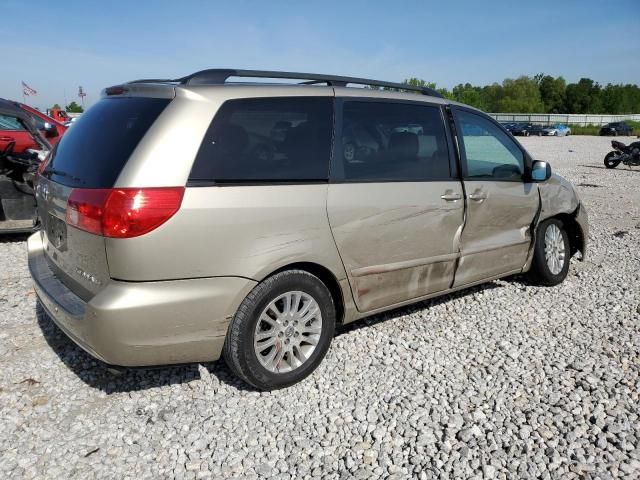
(621, 167)
(97, 375)
(415, 307)
(14, 237)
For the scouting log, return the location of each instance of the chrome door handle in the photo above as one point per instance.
(451, 197)
(478, 196)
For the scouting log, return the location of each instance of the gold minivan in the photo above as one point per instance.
(190, 218)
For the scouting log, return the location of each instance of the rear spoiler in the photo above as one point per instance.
(140, 90)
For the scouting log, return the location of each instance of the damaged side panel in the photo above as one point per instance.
(397, 240)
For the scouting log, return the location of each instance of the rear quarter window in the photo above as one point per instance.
(93, 152)
(267, 140)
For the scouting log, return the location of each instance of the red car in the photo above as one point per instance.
(12, 131)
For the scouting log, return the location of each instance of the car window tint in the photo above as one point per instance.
(37, 121)
(267, 139)
(490, 152)
(385, 141)
(93, 153)
(10, 123)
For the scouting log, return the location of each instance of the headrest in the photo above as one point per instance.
(404, 144)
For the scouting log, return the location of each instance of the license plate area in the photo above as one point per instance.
(56, 232)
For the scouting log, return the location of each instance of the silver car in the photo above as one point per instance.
(188, 219)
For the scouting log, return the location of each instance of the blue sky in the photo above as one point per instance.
(56, 46)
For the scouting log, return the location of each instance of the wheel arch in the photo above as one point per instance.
(574, 231)
(326, 276)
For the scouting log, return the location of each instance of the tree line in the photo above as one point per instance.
(73, 107)
(543, 94)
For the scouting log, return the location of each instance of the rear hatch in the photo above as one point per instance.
(89, 158)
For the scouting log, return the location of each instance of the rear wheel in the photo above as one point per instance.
(281, 331)
(551, 254)
(609, 161)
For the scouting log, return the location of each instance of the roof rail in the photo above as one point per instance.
(218, 76)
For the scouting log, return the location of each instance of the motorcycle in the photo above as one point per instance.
(626, 154)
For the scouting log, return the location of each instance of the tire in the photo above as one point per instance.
(541, 273)
(526, 134)
(611, 163)
(241, 350)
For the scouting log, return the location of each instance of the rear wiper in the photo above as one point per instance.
(60, 173)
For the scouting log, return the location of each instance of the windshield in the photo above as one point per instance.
(93, 153)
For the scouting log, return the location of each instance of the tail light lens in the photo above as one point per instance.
(122, 212)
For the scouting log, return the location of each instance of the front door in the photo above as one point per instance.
(501, 204)
(394, 203)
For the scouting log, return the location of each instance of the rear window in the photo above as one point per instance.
(93, 152)
(267, 140)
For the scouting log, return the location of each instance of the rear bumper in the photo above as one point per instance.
(582, 219)
(142, 323)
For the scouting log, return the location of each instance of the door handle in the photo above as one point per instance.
(478, 196)
(451, 197)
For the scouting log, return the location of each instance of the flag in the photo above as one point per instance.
(27, 90)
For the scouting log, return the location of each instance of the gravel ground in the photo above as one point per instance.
(506, 380)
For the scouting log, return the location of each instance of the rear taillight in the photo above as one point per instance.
(122, 212)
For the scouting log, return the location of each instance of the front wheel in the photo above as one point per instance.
(609, 160)
(551, 254)
(281, 331)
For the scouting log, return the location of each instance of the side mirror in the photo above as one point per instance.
(50, 130)
(540, 171)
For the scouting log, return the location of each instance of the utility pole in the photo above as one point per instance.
(81, 94)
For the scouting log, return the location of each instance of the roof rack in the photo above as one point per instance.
(218, 76)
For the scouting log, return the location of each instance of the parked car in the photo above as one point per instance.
(176, 245)
(616, 128)
(557, 130)
(519, 129)
(12, 131)
(19, 159)
(537, 130)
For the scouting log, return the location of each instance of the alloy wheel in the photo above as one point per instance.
(554, 249)
(287, 332)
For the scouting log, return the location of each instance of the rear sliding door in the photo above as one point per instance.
(394, 203)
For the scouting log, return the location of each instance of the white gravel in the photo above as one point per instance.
(501, 381)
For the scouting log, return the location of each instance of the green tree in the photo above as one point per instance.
(520, 95)
(56, 107)
(418, 82)
(584, 97)
(552, 92)
(469, 95)
(73, 107)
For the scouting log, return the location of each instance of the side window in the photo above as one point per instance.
(10, 123)
(490, 153)
(386, 141)
(37, 121)
(267, 139)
